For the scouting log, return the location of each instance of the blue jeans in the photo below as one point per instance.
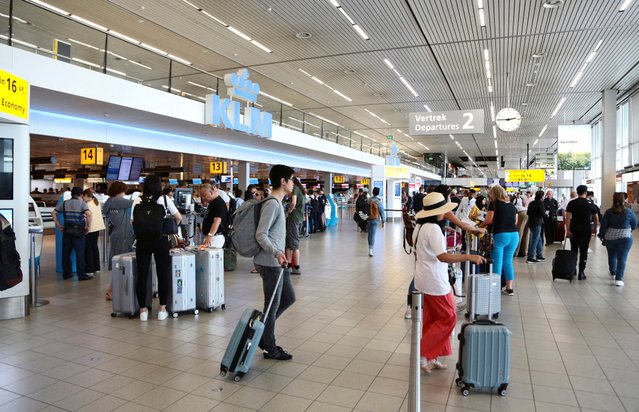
(618, 250)
(504, 245)
(372, 229)
(284, 298)
(535, 243)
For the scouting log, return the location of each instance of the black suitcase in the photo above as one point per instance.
(361, 223)
(564, 265)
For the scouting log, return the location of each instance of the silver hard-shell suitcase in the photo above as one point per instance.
(183, 295)
(478, 288)
(209, 273)
(123, 281)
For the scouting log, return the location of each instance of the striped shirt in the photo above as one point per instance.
(73, 210)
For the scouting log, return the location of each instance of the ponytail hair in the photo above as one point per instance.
(618, 203)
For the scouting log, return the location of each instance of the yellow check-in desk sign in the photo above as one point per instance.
(531, 175)
(365, 182)
(14, 97)
(338, 179)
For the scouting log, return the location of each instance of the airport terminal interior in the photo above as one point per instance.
(382, 99)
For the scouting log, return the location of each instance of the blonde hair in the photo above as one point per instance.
(498, 193)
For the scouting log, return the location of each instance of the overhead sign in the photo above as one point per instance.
(574, 147)
(532, 175)
(338, 179)
(217, 168)
(91, 156)
(398, 172)
(227, 112)
(365, 181)
(454, 122)
(14, 96)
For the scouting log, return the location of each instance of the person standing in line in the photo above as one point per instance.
(271, 259)
(117, 210)
(77, 220)
(323, 202)
(581, 223)
(376, 214)
(536, 214)
(431, 278)
(502, 215)
(616, 233)
(215, 223)
(294, 221)
(466, 204)
(550, 217)
(157, 248)
(418, 199)
(238, 198)
(517, 200)
(91, 250)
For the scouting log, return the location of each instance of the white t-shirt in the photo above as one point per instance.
(224, 196)
(169, 204)
(431, 275)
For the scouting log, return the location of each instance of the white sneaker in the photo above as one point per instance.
(370, 252)
(162, 315)
(409, 313)
(619, 283)
(144, 316)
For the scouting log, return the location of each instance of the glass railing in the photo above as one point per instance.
(31, 27)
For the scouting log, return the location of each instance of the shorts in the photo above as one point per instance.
(293, 234)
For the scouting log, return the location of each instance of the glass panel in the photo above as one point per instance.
(137, 64)
(344, 137)
(266, 105)
(634, 150)
(313, 126)
(330, 132)
(4, 21)
(356, 141)
(192, 83)
(293, 119)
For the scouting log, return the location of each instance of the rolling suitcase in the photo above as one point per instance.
(209, 275)
(479, 289)
(123, 280)
(182, 298)
(246, 339)
(564, 265)
(484, 355)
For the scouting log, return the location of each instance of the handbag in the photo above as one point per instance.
(169, 225)
(73, 229)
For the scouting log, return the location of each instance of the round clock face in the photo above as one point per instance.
(508, 119)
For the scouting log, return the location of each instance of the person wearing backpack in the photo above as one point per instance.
(375, 214)
(216, 222)
(270, 235)
(294, 220)
(77, 219)
(148, 225)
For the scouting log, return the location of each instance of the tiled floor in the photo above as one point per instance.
(574, 346)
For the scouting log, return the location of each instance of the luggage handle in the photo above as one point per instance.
(277, 285)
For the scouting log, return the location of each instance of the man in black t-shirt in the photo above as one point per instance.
(581, 222)
(215, 224)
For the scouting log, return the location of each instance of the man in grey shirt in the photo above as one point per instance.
(269, 261)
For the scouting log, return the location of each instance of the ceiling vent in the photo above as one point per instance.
(303, 35)
(553, 4)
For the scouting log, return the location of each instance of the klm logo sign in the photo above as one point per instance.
(227, 112)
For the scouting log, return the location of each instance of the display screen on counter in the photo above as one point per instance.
(6, 169)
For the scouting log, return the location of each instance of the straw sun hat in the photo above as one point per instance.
(435, 204)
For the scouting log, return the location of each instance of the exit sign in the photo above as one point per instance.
(389, 137)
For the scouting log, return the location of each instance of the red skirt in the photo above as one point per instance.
(439, 320)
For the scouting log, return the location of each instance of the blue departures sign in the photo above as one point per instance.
(227, 112)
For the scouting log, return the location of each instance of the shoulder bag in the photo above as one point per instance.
(169, 225)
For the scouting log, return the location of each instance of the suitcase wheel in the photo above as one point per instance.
(465, 391)
(196, 311)
(502, 390)
(113, 315)
(175, 314)
(131, 315)
(459, 382)
(223, 307)
(238, 377)
(210, 310)
(223, 372)
(467, 315)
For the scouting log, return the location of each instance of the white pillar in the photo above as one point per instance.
(243, 174)
(608, 145)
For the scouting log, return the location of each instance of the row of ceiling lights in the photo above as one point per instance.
(354, 25)
(317, 80)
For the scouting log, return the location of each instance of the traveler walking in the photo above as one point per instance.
(581, 223)
(375, 215)
(502, 215)
(294, 221)
(269, 261)
(77, 219)
(535, 214)
(550, 217)
(616, 233)
(431, 278)
(215, 223)
(117, 211)
(517, 200)
(91, 250)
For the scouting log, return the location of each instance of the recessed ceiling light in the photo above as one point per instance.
(552, 4)
(538, 55)
(377, 94)
(350, 71)
(303, 35)
(524, 104)
(531, 84)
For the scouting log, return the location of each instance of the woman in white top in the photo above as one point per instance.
(91, 250)
(431, 278)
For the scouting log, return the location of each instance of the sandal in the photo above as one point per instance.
(109, 294)
(255, 271)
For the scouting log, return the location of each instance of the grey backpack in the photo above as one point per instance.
(245, 220)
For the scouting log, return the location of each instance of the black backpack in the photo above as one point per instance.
(10, 272)
(148, 218)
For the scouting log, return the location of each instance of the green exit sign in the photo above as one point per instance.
(389, 137)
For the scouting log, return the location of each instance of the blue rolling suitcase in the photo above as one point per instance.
(245, 340)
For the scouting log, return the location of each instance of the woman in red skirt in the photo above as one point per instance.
(431, 278)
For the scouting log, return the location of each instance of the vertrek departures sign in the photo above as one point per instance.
(455, 122)
(227, 112)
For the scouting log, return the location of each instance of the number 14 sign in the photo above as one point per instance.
(91, 156)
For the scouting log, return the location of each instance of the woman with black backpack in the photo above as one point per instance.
(152, 240)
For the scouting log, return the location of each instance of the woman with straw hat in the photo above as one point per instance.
(431, 278)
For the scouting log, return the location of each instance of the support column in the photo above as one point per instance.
(608, 145)
(243, 174)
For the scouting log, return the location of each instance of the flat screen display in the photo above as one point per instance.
(197, 181)
(225, 179)
(113, 167)
(136, 168)
(173, 181)
(125, 168)
(6, 169)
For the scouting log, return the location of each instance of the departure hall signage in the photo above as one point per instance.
(454, 122)
(14, 96)
(227, 112)
(525, 176)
